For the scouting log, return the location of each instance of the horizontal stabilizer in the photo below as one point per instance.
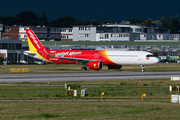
(29, 53)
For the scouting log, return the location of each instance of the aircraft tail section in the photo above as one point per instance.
(35, 46)
(34, 43)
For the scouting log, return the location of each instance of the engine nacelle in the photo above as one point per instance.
(114, 66)
(96, 65)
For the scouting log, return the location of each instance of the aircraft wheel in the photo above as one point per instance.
(142, 67)
(83, 68)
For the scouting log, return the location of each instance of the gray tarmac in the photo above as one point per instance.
(84, 76)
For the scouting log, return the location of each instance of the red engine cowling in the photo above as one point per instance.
(114, 66)
(96, 65)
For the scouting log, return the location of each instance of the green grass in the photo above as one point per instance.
(96, 110)
(103, 43)
(64, 68)
(112, 106)
(114, 89)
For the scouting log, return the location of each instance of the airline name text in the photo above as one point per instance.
(34, 39)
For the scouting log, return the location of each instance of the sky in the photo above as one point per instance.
(116, 10)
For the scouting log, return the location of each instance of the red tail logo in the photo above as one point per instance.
(33, 39)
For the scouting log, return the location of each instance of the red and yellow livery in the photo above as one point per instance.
(94, 59)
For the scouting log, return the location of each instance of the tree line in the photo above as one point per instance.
(28, 18)
(173, 23)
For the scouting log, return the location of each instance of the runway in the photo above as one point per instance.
(84, 76)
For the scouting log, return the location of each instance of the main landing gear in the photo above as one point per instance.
(84, 68)
(142, 67)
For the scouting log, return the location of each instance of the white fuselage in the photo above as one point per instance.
(131, 57)
(122, 57)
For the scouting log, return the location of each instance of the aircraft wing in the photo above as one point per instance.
(80, 60)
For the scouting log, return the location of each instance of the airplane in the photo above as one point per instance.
(94, 59)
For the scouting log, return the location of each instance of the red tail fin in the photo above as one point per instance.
(34, 43)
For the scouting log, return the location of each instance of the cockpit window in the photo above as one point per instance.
(149, 55)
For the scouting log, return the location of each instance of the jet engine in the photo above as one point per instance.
(96, 65)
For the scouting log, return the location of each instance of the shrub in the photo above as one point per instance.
(47, 115)
(155, 54)
(145, 84)
(124, 83)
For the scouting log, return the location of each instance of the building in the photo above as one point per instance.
(115, 33)
(10, 33)
(84, 33)
(154, 33)
(11, 49)
(107, 32)
(48, 33)
(43, 33)
(66, 34)
(22, 33)
(122, 32)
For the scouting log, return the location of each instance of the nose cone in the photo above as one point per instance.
(155, 60)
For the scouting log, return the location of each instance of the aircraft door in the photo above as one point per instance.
(140, 56)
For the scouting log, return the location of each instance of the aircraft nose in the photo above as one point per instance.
(156, 60)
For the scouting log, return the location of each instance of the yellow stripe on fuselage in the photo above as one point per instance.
(104, 52)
